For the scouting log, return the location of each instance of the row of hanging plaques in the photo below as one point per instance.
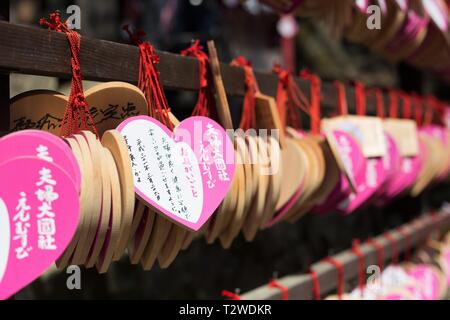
(141, 188)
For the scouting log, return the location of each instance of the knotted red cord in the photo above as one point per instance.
(77, 114)
(341, 98)
(314, 105)
(315, 284)
(148, 81)
(360, 98)
(248, 119)
(284, 290)
(356, 249)
(290, 98)
(340, 275)
(393, 104)
(205, 102)
(230, 295)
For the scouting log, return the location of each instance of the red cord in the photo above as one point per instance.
(248, 119)
(379, 250)
(77, 114)
(356, 249)
(314, 106)
(205, 101)
(340, 275)
(148, 79)
(341, 98)
(315, 284)
(360, 98)
(290, 99)
(379, 100)
(284, 290)
(407, 105)
(230, 295)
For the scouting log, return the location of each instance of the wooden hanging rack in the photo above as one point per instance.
(36, 51)
(301, 287)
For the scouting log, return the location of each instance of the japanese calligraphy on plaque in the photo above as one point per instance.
(109, 104)
(39, 212)
(183, 174)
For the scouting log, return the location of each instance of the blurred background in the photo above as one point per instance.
(251, 29)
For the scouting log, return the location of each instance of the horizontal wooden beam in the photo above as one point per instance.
(36, 51)
(300, 286)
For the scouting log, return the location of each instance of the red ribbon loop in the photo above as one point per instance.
(315, 284)
(360, 98)
(314, 105)
(341, 98)
(356, 249)
(340, 275)
(230, 295)
(205, 101)
(77, 114)
(394, 247)
(248, 119)
(148, 81)
(379, 100)
(284, 290)
(290, 98)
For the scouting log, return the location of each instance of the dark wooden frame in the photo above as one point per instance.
(36, 51)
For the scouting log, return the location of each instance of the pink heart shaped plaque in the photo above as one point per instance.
(39, 212)
(43, 145)
(374, 178)
(429, 280)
